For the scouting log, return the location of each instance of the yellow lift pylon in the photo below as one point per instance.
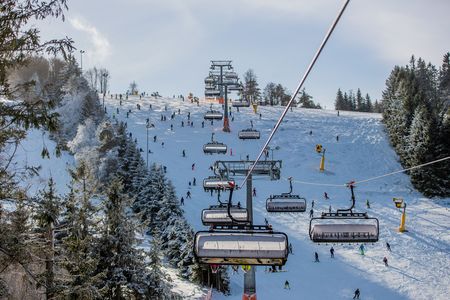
(320, 149)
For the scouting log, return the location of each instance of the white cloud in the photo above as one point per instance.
(101, 48)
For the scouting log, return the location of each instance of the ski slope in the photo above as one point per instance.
(420, 258)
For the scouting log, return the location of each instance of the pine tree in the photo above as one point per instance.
(339, 103)
(251, 89)
(120, 262)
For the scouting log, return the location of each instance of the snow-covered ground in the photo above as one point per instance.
(420, 258)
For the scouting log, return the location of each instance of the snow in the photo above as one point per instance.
(419, 261)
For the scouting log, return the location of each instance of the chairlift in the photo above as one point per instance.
(213, 115)
(240, 103)
(209, 80)
(212, 93)
(214, 147)
(248, 134)
(241, 245)
(286, 202)
(350, 227)
(217, 183)
(218, 215)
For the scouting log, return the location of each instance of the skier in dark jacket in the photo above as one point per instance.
(188, 195)
(332, 252)
(385, 260)
(356, 296)
(286, 285)
(388, 247)
(316, 256)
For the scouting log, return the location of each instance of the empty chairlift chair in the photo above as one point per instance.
(217, 183)
(286, 202)
(218, 215)
(253, 245)
(214, 147)
(344, 226)
(240, 103)
(249, 133)
(213, 115)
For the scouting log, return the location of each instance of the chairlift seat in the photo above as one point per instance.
(240, 103)
(286, 203)
(213, 115)
(218, 215)
(241, 248)
(217, 183)
(347, 233)
(215, 147)
(246, 134)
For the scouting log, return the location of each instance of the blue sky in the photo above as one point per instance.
(167, 45)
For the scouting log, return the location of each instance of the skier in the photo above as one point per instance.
(385, 260)
(248, 157)
(239, 204)
(171, 127)
(325, 195)
(154, 139)
(162, 144)
(356, 296)
(254, 192)
(165, 169)
(310, 132)
(286, 285)
(194, 182)
(367, 203)
(361, 249)
(312, 204)
(311, 213)
(388, 247)
(337, 138)
(193, 167)
(188, 195)
(332, 252)
(184, 153)
(232, 119)
(127, 114)
(260, 116)
(182, 201)
(290, 248)
(329, 209)
(316, 256)
(117, 110)
(182, 124)
(267, 222)
(203, 124)
(231, 151)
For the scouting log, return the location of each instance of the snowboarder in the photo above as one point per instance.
(193, 167)
(286, 285)
(184, 153)
(332, 252)
(311, 213)
(385, 260)
(316, 256)
(361, 249)
(254, 192)
(290, 248)
(312, 204)
(182, 201)
(325, 195)
(367, 203)
(188, 195)
(388, 247)
(356, 296)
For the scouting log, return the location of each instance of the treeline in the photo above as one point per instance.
(273, 93)
(416, 111)
(355, 102)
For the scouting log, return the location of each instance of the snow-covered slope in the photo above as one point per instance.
(420, 258)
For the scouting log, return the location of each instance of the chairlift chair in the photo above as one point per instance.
(212, 93)
(214, 147)
(217, 183)
(240, 103)
(351, 227)
(286, 202)
(218, 215)
(253, 245)
(213, 115)
(249, 134)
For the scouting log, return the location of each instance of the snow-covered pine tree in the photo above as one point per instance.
(47, 214)
(120, 262)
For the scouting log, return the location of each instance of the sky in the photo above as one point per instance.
(167, 45)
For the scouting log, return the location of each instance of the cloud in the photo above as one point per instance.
(101, 48)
